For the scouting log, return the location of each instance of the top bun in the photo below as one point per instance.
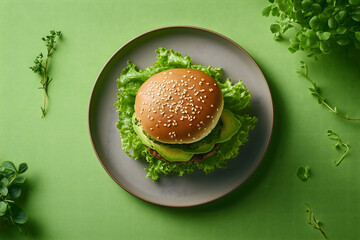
(179, 105)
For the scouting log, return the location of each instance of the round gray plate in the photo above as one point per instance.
(204, 47)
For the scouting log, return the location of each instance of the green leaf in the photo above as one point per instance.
(4, 182)
(303, 173)
(3, 208)
(20, 217)
(354, 2)
(356, 17)
(325, 47)
(275, 28)
(323, 35)
(266, 11)
(357, 44)
(9, 166)
(2, 169)
(343, 40)
(306, 4)
(19, 180)
(22, 168)
(275, 12)
(340, 16)
(314, 23)
(316, 8)
(14, 191)
(332, 22)
(341, 30)
(284, 5)
(357, 36)
(292, 50)
(3, 190)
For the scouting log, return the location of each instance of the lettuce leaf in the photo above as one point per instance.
(236, 98)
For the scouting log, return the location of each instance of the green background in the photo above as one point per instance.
(68, 195)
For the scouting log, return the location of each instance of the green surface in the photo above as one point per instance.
(69, 195)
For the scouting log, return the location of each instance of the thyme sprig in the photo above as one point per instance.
(41, 67)
(311, 220)
(315, 90)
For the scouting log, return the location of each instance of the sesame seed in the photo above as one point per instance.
(151, 129)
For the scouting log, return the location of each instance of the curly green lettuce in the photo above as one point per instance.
(236, 98)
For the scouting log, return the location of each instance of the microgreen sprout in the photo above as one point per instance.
(315, 91)
(42, 68)
(339, 144)
(311, 220)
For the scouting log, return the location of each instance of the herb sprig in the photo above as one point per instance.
(41, 67)
(339, 144)
(315, 91)
(311, 220)
(10, 189)
(319, 25)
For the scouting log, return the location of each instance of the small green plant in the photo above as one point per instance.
(11, 180)
(315, 91)
(312, 221)
(319, 25)
(41, 67)
(339, 144)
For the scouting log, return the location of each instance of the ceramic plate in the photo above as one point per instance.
(204, 47)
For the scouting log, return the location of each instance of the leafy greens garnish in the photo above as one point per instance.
(339, 144)
(303, 173)
(315, 91)
(311, 220)
(41, 67)
(319, 25)
(10, 190)
(236, 98)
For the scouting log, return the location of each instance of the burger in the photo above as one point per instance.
(179, 116)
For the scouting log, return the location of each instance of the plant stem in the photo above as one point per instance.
(343, 156)
(317, 226)
(304, 72)
(45, 83)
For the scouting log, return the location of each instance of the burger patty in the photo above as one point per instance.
(197, 158)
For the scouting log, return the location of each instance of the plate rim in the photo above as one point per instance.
(173, 27)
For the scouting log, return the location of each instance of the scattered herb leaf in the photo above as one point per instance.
(41, 67)
(318, 25)
(315, 91)
(311, 220)
(339, 144)
(303, 173)
(10, 191)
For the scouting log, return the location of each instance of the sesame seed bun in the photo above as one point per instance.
(179, 105)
